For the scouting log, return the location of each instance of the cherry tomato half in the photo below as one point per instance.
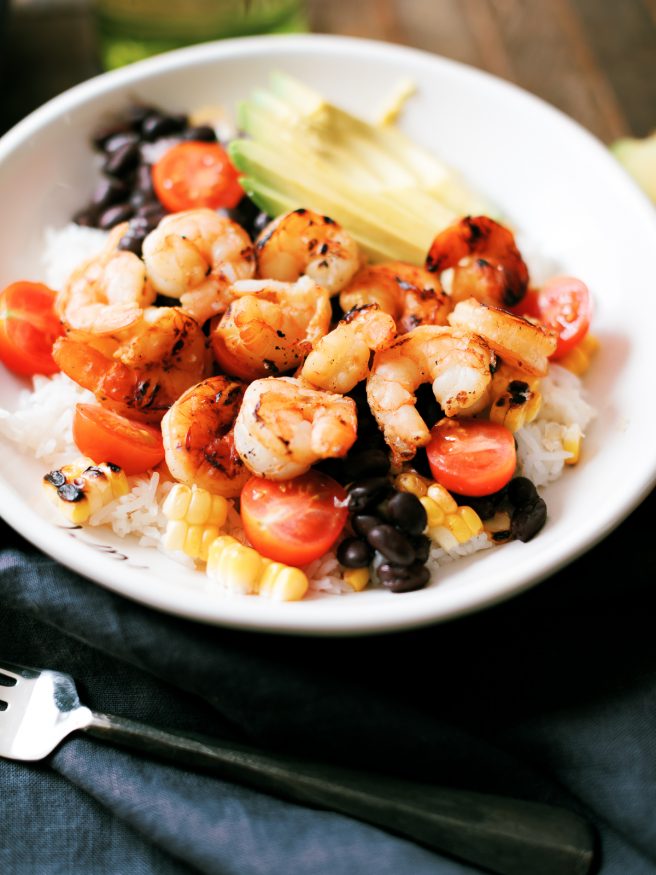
(28, 328)
(471, 456)
(194, 174)
(106, 436)
(293, 521)
(564, 305)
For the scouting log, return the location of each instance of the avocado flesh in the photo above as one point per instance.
(638, 157)
(305, 152)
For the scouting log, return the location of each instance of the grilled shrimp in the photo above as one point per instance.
(341, 358)
(139, 370)
(195, 256)
(457, 363)
(520, 343)
(487, 264)
(198, 434)
(106, 292)
(411, 295)
(270, 326)
(305, 242)
(284, 427)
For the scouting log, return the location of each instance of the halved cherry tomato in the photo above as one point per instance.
(565, 306)
(293, 521)
(471, 456)
(106, 436)
(194, 174)
(28, 328)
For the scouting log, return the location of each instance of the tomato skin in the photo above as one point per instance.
(565, 306)
(195, 174)
(293, 521)
(106, 436)
(471, 456)
(28, 328)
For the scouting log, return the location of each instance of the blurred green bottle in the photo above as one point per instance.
(129, 30)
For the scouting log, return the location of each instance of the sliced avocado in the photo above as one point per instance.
(638, 157)
(301, 151)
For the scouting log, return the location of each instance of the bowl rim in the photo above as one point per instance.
(394, 619)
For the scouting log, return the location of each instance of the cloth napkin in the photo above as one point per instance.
(550, 696)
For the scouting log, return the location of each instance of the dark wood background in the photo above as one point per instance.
(594, 59)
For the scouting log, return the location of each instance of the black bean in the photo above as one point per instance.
(420, 464)
(521, 491)
(399, 578)
(122, 161)
(114, 216)
(117, 141)
(391, 544)
(364, 493)
(260, 222)
(201, 133)
(100, 137)
(139, 198)
(110, 191)
(363, 523)
(527, 520)
(144, 180)
(421, 545)
(87, 217)
(366, 463)
(406, 512)
(157, 125)
(427, 406)
(131, 243)
(151, 209)
(136, 115)
(354, 553)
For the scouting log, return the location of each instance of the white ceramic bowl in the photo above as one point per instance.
(555, 181)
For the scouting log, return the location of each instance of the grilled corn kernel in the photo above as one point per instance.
(456, 528)
(498, 524)
(409, 482)
(81, 489)
(442, 497)
(572, 439)
(284, 583)
(195, 517)
(444, 538)
(577, 360)
(434, 513)
(234, 566)
(357, 578)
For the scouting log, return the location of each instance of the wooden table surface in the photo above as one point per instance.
(594, 59)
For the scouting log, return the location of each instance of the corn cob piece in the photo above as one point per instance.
(194, 519)
(448, 523)
(356, 578)
(408, 481)
(577, 360)
(514, 398)
(572, 440)
(81, 489)
(242, 570)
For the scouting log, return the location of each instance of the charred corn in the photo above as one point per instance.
(514, 398)
(241, 569)
(194, 519)
(408, 481)
(81, 489)
(449, 524)
(577, 360)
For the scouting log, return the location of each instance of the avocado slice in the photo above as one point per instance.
(638, 157)
(301, 151)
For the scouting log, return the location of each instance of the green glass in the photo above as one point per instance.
(129, 30)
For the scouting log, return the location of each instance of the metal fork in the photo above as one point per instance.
(39, 708)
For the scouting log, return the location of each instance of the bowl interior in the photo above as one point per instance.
(551, 179)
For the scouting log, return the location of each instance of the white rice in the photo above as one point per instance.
(41, 426)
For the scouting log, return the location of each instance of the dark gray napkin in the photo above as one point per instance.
(550, 696)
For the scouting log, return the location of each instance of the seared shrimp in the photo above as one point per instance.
(106, 292)
(140, 370)
(458, 365)
(520, 343)
(283, 427)
(411, 295)
(304, 242)
(341, 358)
(198, 436)
(488, 265)
(270, 327)
(195, 256)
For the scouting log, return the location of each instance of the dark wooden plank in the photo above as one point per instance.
(623, 38)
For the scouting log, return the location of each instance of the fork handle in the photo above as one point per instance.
(506, 836)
